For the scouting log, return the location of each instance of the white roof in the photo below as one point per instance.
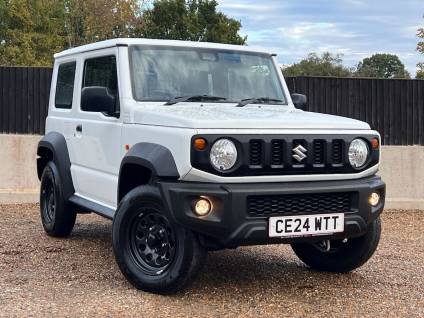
(139, 41)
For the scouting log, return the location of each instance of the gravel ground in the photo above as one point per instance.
(42, 276)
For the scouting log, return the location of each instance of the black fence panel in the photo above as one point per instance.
(24, 99)
(394, 107)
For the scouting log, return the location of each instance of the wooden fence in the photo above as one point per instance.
(393, 107)
(24, 98)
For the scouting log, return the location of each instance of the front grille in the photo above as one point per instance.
(296, 204)
(281, 153)
(289, 154)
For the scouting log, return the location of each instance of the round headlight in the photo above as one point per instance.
(358, 153)
(223, 154)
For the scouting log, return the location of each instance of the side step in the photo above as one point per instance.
(91, 206)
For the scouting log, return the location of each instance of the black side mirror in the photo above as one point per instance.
(300, 101)
(98, 99)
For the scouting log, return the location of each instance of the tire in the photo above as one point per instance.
(153, 253)
(57, 214)
(341, 257)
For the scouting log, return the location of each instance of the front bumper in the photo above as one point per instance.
(230, 224)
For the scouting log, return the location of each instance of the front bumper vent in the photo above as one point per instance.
(296, 204)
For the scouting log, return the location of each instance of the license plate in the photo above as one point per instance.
(306, 225)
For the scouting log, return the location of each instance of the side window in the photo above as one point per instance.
(65, 85)
(101, 71)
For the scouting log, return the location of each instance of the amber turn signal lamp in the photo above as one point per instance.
(375, 143)
(200, 144)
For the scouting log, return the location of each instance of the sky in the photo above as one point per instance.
(354, 28)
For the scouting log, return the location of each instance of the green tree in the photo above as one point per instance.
(92, 21)
(193, 20)
(30, 31)
(420, 71)
(420, 48)
(382, 66)
(420, 34)
(314, 65)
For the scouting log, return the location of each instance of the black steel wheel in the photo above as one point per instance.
(154, 253)
(152, 241)
(340, 256)
(57, 215)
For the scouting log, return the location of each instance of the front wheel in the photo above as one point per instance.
(340, 256)
(153, 253)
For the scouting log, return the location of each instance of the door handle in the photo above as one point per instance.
(79, 128)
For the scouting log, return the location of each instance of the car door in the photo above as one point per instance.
(96, 153)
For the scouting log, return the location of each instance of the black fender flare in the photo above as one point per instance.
(55, 143)
(156, 158)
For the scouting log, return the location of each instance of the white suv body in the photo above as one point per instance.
(96, 154)
(92, 159)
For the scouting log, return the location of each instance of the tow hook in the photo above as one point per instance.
(324, 246)
(327, 245)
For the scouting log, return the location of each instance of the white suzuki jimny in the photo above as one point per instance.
(190, 147)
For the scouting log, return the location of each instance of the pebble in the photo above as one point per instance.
(77, 277)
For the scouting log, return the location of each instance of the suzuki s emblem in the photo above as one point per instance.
(299, 153)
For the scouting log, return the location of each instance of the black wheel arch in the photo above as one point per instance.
(143, 163)
(53, 147)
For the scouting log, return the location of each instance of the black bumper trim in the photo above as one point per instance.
(229, 225)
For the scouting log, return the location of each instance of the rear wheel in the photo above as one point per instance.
(153, 253)
(340, 255)
(57, 214)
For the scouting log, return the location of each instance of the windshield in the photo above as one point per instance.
(162, 74)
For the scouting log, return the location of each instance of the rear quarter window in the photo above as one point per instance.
(65, 85)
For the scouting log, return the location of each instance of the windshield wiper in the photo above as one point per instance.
(246, 101)
(193, 98)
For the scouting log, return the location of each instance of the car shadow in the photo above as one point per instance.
(258, 269)
(273, 269)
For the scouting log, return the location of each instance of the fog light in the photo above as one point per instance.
(374, 199)
(202, 207)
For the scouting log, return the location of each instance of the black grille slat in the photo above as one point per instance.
(337, 151)
(277, 147)
(255, 153)
(297, 204)
(319, 152)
